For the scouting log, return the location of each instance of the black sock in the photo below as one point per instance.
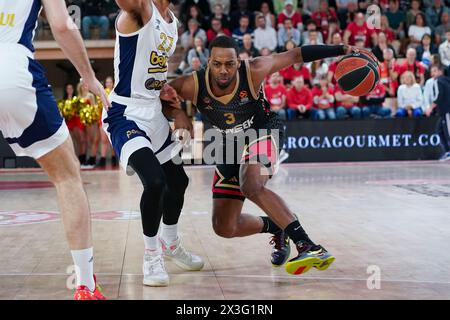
(82, 158)
(269, 226)
(295, 231)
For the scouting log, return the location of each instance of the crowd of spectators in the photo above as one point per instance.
(411, 41)
(90, 14)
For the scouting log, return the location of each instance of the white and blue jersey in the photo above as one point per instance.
(135, 119)
(29, 116)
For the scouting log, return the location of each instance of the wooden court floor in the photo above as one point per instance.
(388, 224)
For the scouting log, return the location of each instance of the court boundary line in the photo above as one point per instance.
(232, 276)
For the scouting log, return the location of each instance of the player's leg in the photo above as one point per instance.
(63, 169)
(93, 143)
(82, 143)
(40, 132)
(134, 149)
(444, 134)
(253, 177)
(104, 146)
(229, 221)
(148, 168)
(310, 254)
(177, 182)
(96, 145)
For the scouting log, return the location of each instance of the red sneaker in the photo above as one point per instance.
(83, 293)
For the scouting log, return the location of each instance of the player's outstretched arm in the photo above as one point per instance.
(261, 67)
(69, 39)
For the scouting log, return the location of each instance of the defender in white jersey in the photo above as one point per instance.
(146, 36)
(31, 123)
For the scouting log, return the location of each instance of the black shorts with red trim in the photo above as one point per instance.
(263, 149)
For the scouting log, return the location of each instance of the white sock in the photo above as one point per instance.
(84, 267)
(169, 233)
(151, 243)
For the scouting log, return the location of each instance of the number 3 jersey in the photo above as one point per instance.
(243, 109)
(141, 58)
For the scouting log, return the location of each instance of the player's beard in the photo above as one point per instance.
(224, 85)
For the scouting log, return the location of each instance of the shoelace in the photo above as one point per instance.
(182, 253)
(277, 240)
(156, 264)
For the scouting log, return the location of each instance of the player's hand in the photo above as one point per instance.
(97, 88)
(350, 49)
(183, 127)
(169, 94)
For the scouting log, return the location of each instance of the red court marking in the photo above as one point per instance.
(16, 218)
(20, 185)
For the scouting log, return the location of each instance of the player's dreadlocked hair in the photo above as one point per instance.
(224, 42)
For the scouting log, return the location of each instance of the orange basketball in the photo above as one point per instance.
(357, 73)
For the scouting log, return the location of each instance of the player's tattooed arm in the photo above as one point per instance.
(261, 67)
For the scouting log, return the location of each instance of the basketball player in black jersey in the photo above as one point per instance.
(229, 95)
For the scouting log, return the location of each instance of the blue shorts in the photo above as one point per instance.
(29, 117)
(131, 124)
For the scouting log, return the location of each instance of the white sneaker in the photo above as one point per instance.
(445, 157)
(283, 156)
(182, 258)
(155, 274)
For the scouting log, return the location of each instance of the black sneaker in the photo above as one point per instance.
(82, 159)
(91, 161)
(114, 161)
(309, 256)
(281, 249)
(102, 162)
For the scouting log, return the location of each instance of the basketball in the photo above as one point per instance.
(357, 73)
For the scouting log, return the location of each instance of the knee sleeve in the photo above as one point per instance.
(149, 170)
(177, 182)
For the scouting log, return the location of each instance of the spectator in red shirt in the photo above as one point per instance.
(324, 15)
(276, 95)
(388, 31)
(299, 100)
(216, 29)
(290, 13)
(331, 71)
(411, 64)
(389, 73)
(295, 71)
(358, 30)
(374, 101)
(323, 100)
(347, 105)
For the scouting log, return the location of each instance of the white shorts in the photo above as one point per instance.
(29, 117)
(133, 124)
